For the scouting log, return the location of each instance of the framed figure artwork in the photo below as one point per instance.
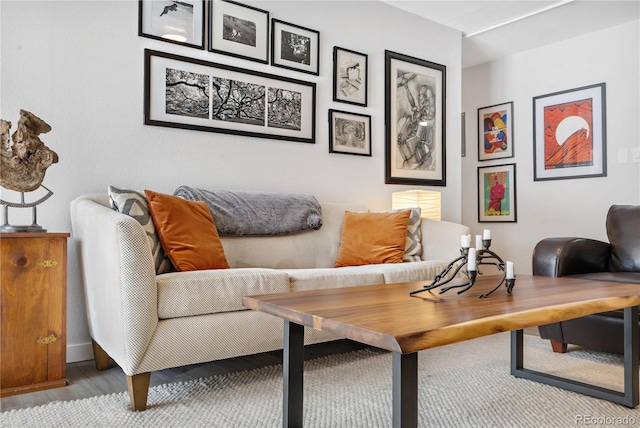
(188, 93)
(497, 193)
(415, 105)
(295, 47)
(179, 22)
(495, 132)
(239, 30)
(350, 72)
(349, 133)
(569, 134)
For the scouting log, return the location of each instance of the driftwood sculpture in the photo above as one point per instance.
(23, 164)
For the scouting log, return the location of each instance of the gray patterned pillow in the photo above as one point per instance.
(134, 204)
(413, 244)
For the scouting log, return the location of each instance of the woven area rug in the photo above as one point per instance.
(462, 385)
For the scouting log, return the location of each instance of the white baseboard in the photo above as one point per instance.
(79, 352)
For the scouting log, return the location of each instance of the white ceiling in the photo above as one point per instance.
(492, 29)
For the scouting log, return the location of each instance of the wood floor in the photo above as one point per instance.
(85, 381)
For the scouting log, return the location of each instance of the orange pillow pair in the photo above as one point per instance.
(372, 238)
(187, 232)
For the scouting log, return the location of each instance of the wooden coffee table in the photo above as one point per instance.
(386, 316)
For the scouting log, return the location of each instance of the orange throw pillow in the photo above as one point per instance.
(187, 232)
(372, 238)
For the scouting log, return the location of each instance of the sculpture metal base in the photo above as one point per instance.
(33, 227)
(12, 228)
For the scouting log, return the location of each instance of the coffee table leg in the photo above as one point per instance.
(405, 390)
(293, 362)
(630, 397)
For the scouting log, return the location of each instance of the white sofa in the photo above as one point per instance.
(147, 322)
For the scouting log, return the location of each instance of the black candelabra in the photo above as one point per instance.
(471, 258)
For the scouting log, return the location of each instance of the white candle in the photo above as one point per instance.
(510, 274)
(471, 265)
(465, 241)
(486, 234)
(478, 242)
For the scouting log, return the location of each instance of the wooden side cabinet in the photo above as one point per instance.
(33, 276)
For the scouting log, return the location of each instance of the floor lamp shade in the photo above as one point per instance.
(428, 201)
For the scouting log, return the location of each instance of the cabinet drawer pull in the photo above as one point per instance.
(48, 263)
(47, 340)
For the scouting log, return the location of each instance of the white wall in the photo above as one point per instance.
(573, 207)
(79, 66)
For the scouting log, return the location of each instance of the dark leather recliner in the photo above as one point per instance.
(618, 260)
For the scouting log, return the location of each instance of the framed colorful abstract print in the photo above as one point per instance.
(569, 134)
(495, 132)
(497, 194)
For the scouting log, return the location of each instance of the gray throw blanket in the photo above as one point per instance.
(252, 213)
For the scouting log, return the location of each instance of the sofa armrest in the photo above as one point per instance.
(570, 256)
(441, 239)
(119, 279)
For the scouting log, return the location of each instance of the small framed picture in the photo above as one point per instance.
(180, 22)
(569, 134)
(495, 132)
(239, 30)
(349, 133)
(497, 193)
(295, 47)
(350, 76)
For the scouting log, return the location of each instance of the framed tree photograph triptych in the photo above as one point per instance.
(187, 93)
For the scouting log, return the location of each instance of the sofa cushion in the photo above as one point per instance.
(372, 238)
(411, 272)
(183, 294)
(187, 232)
(413, 244)
(315, 279)
(134, 204)
(623, 230)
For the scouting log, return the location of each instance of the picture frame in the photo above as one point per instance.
(569, 134)
(415, 119)
(349, 133)
(239, 30)
(181, 23)
(495, 132)
(497, 194)
(350, 76)
(294, 47)
(188, 93)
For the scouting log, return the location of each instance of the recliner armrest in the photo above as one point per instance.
(570, 256)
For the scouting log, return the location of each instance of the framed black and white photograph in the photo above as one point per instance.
(495, 132)
(189, 93)
(349, 133)
(497, 194)
(180, 22)
(570, 134)
(239, 30)
(350, 72)
(415, 104)
(295, 47)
